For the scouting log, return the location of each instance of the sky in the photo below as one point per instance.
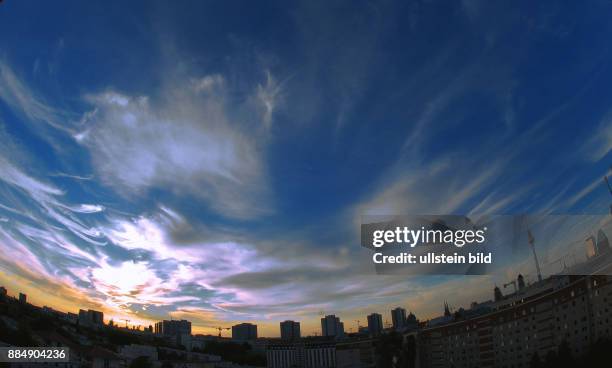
(212, 160)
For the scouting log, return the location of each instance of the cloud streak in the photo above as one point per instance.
(187, 143)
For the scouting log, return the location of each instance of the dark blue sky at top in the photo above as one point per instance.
(379, 54)
(372, 94)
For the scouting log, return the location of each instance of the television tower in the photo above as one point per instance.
(609, 187)
(535, 255)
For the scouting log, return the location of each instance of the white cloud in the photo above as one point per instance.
(20, 97)
(194, 141)
(47, 208)
(585, 191)
(187, 144)
(37, 189)
(601, 142)
(208, 83)
(199, 262)
(492, 204)
(133, 283)
(435, 187)
(267, 95)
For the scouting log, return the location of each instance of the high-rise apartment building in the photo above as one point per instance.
(398, 315)
(244, 332)
(375, 324)
(290, 330)
(332, 326)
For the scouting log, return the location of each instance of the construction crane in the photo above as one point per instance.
(220, 329)
(513, 283)
(562, 261)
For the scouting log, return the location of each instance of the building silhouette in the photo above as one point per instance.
(321, 354)
(411, 322)
(332, 326)
(290, 330)
(178, 330)
(520, 280)
(375, 324)
(173, 327)
(90, 318)
(398, 316)
(244, 332)
(512, 329)
(497, 294)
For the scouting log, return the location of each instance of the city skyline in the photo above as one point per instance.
(156, 326)
(212, 162)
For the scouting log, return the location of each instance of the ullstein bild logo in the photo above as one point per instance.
(427, 244)
(421, 245)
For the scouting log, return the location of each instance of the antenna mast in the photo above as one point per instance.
(535, 256)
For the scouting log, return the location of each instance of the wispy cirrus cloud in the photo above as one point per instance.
(267, 96)
(24, 100)
(442, 186)
(600, 143)
(187, 143)
(124, 265)
(587, 190)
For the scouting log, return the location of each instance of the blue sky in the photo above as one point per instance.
(212, 160)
